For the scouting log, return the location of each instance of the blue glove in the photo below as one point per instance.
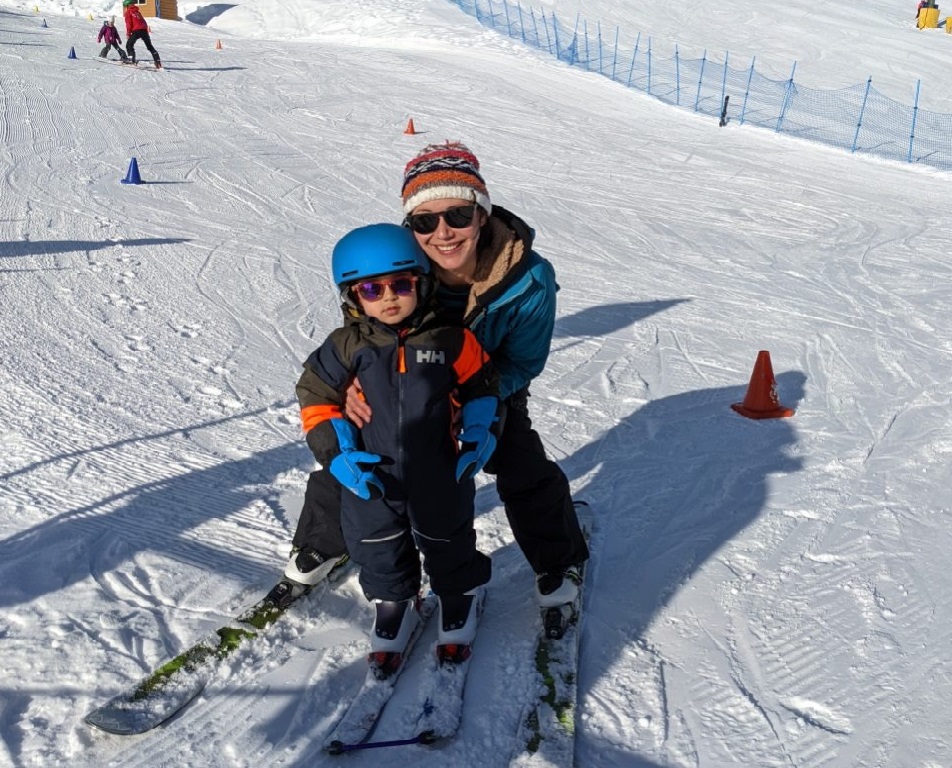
(478, 437)
(350, 465)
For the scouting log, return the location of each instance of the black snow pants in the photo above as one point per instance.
(105, 51)
(143, 35)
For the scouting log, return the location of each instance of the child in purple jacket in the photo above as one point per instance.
(110, 35)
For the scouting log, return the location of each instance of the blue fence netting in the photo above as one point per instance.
(858, 118)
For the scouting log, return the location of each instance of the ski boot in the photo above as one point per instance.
(308, 566)
(459, 616)
(557, 593)
(394, 624)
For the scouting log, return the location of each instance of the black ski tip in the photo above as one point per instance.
(335, 748)
(428, 737)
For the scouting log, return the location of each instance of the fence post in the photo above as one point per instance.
(584, 32)
(505, 5)
(700, 80)
(535, 27)
(615, 54)
(862, 109)
(634, 55)
(599, 28)
(522, 24)
(786, 99)
(649, 66)
(677, 75)
(915, 114)
(750, 77)
(492, 14)
(548, 40)
(727, 55)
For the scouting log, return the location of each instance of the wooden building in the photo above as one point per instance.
(160, 9)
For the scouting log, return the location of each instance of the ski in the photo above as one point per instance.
(144, 66)
(357, 724)
(166, 691)
(442, 694)
(547, 730)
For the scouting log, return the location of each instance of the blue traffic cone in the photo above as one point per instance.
(72, 53)
(132, 175)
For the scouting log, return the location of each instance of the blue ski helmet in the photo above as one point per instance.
(376, 250)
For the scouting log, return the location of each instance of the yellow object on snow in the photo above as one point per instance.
(928, 18)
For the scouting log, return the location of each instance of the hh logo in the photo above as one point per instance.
(430, 356)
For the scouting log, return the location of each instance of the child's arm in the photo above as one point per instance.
(332, 439)
(352, 467)
(318, 388)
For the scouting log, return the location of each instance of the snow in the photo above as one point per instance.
(763, 593)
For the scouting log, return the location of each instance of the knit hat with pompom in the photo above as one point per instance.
(441, 172)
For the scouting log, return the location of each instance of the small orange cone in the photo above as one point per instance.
(761, 401)
(410, 131)
(218, 45)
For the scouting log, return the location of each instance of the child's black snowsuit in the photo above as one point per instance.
(409, 376)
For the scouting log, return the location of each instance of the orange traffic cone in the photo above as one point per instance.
(218, 45)
(410, 131)
(761, 401)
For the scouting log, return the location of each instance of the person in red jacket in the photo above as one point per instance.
(137, 29)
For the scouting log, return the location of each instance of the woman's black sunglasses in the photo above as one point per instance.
(456, 218)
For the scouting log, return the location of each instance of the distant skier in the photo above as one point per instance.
(137, 29)
(110, 36)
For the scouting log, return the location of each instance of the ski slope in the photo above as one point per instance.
(762, 593)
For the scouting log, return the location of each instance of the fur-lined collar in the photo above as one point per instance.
(502, 251)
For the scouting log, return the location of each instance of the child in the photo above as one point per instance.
(110, 35)
(137, 29)
(410, 485)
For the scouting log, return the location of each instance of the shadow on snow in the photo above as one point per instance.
(50, 247)
(98, 538)
(206, 13)
(669, 485)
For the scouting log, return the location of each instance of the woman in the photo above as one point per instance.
(503, 291)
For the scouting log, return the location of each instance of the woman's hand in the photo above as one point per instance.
(356, 408)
